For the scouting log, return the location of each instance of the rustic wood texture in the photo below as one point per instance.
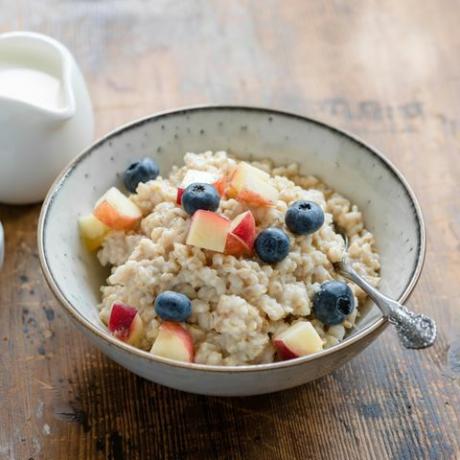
(387, 70)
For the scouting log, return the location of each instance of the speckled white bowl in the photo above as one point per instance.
(344, 162)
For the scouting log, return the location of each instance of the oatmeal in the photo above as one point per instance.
(235, 270)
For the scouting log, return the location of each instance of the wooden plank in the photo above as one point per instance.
(385, 70)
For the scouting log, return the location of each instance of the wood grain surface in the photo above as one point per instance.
(386, 70)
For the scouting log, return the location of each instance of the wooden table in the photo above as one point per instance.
(390, 72)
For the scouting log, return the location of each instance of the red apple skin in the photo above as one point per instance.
(183, 334)
(221, 185)
(121, 319)
(180, 192)
(246, 229)
(235, 246)
(110, 217)
(107, 215)
(284, 352)
(230, 191)
(116, 211)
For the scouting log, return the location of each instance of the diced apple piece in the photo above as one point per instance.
(252, 186)
(299, 339)
(235, 246)
(174, 342)
(117, 211)
(221, 185)
(208, 230)
(260, 172)
(92, 231)
(180, 192)
(193, 176)
(241, 236)
(244, 226)
(125, 323)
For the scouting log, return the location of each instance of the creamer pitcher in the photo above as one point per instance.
(46, 116)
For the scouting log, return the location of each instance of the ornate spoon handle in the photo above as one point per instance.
(415, 330)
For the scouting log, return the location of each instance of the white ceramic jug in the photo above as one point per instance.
(46, 117)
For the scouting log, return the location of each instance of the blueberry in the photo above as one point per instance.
(173, 306)
(333, 302)
(272, 245)
(140, 171)
(200, 196)
(304, 217)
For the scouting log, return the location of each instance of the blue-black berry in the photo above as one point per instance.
(140, 171)
(304, 217)
(200, 196)
(333, 302)
(173, 306)
(272, 245)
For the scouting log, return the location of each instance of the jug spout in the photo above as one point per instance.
(36, 75)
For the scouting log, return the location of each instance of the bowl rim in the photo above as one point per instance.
(144, 355)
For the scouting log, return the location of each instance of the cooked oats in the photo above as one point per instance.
(238, 304)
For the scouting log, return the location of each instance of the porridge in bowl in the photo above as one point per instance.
(227, 262)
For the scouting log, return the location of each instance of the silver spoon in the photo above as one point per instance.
(415, 330)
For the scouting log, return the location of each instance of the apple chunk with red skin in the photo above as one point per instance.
(208, 230)
(125, 323)
(174, 342)
(194, 176)
(300, 339)
(252, 186)
(244, 227)
(117, 211)
(235, 246)
(241, 236)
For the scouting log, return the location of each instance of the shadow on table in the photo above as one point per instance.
(128, 417)
(368, 405)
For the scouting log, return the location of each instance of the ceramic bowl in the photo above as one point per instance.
(344, 162)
